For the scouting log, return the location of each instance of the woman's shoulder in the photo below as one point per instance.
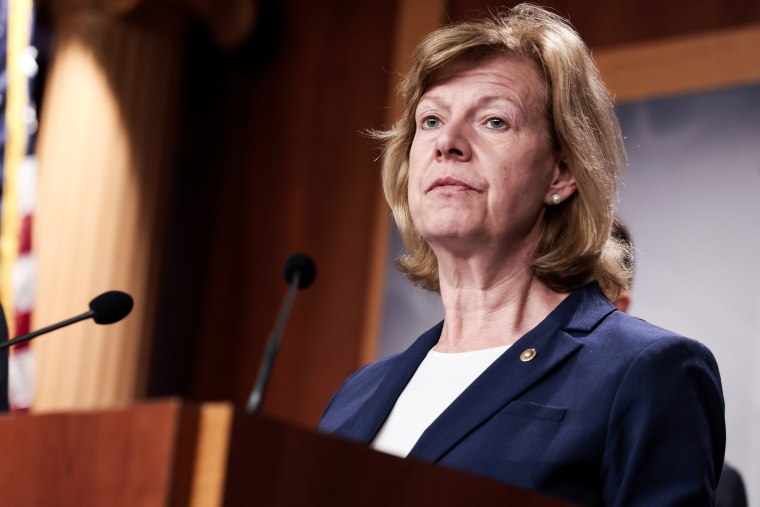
(370, 374)
(355, 391)
(388, 373)
(628, 337)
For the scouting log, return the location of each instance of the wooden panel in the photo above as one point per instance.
(273, 161)
(145, 455)
(682, 65)
(616, 22)
(214, 428)
(106, 135)
(123, 457)
(328, 181)
(273, 464)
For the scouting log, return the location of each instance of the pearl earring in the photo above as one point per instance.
(555, 199)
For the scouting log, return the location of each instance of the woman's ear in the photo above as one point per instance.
(562, 185)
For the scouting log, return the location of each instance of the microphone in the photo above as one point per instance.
(299, 271)
(109, 307)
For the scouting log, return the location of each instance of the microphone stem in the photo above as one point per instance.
(34, 334)
(273, 344)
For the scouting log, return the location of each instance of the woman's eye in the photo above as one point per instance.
(496, 123)
(430, 122)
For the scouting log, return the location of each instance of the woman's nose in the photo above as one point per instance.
(452, 143)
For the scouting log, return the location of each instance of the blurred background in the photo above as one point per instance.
(180, 150)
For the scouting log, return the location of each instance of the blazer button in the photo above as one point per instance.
(528, 355)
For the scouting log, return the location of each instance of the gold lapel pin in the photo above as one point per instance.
(528, 355)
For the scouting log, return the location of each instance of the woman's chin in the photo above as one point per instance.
(455, 240)
(450, 231)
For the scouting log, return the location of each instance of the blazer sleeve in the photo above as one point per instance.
(666, 434)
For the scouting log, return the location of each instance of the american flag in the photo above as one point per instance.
(17, 263)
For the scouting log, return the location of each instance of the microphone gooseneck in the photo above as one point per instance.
(109, 307)
(299, 271)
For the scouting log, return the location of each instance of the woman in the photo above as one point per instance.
(501, 175)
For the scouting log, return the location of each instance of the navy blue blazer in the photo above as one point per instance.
(611, 410)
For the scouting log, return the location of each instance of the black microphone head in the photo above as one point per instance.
(303, 265)
(111, 306)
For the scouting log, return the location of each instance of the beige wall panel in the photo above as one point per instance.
(105, 132)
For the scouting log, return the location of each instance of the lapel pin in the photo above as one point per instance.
(528, 355)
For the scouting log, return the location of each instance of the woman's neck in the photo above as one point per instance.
(487, 308)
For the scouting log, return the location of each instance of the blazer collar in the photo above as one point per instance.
(509, 376)
(502, 382)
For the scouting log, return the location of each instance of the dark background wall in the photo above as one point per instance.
(272, 161)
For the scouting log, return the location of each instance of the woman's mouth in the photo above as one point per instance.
(449, 184)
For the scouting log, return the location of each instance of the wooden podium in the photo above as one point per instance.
(169, 453)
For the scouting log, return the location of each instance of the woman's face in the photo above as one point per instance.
(481, 165)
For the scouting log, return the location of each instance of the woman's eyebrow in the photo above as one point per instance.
(435, 99)
(482, 101)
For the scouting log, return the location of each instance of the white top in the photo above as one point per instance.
(439, 380)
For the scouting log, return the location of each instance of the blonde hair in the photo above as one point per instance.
(574, 247)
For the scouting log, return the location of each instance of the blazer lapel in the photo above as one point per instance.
(370, 415)
(509, 376)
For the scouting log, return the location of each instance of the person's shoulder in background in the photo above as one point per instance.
(730, 492)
